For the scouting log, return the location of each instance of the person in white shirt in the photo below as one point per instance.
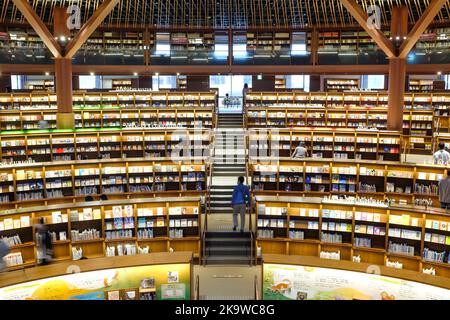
(441, 156)
(300, 152)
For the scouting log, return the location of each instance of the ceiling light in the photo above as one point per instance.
(62, 38)
(397, 38)
(47, 74)
(439, 73)
(135, 74)
(156, 74)
(178, 74)
(92, 73)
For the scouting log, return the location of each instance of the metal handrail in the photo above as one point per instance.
(250, 211)
(257, 297)
(208, 198)
(197, 288)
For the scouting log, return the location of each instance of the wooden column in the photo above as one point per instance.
(146, 41)
(63, 73)
(397, 70)
(314, 46)
(230, 47)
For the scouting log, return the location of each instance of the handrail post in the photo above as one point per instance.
(197, 288)
(256, 290)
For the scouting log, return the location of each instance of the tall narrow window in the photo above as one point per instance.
(221, 45)
(162, 44)
(298, 47)
(240, 45)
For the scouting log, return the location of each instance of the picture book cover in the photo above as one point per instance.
(118, 223)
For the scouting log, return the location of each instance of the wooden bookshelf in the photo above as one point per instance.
(342, 84)
(403, 183)
(413, 236)
(326, 143)
(46, 183)
(82, 144)
(94, 227)
(424, 114)
(112, 109)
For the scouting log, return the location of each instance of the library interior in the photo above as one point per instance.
(225, 150)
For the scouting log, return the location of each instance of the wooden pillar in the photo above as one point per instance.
(64, 93)
(146, 41)
(314, 46)
(63, 73)
(230, 46)
(397, 70)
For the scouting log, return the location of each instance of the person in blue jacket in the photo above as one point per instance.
(241, 196)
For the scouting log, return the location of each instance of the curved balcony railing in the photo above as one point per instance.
(37, 54)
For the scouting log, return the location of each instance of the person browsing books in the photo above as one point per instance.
(300, 152)
(241, 196)
(441, 156)
(444, 191)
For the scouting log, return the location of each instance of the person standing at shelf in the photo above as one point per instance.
(44, 243)
(241, 196)
(441, 156)
(4, 251)
(300, 152)
(444, 191)
(245, 90)
(43, 124)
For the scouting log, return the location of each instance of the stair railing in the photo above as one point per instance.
(256, 288)
(250, 212)
(208, 197)
(197, 288)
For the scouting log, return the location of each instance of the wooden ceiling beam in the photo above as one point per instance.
(362, 18)
(420, 27)
(38, 26)
(89, 27)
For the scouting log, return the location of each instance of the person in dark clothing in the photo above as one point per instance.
(104, 197)
(88, 199)
(245, 90)
(241, 196)
(44, 243)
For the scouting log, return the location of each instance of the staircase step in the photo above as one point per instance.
(226, 169)
(224, 193)
(227, 174)
(227, 260)
(227, 235)
(228, 165)
(228, 251)
(216, 205)
(228, 210)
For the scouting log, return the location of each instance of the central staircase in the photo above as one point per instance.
(222, 245)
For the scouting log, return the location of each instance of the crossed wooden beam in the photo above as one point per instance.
(73, 45)
(382, 41)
